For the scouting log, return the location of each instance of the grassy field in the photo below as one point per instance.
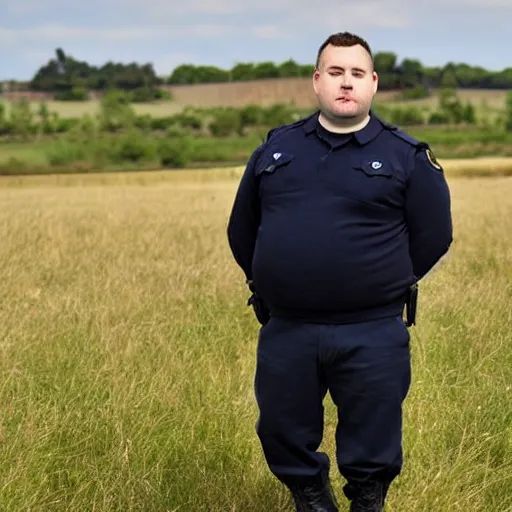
(127, 353)
(493, 149)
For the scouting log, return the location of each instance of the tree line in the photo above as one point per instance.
(70, 78)
(407, 74)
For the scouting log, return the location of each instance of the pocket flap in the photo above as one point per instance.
(273, 162)
(375, 167)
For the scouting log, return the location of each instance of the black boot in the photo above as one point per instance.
(315, 498)
(367, 497)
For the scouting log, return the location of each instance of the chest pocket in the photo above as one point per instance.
(369, 180)
(374, 168)
(277, 173)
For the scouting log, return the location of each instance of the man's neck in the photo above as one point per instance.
(345, 128)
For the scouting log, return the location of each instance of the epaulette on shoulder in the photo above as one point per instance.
(405, 136)
(279, 130)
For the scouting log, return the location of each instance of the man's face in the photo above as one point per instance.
(345, 82)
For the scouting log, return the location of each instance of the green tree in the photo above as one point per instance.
(21, 117)
(289, 68)
(385, 62)
(450, 105)
(64, 73)
(432, 76)
(5, 126)
(242, 71)
(386, 66)
(265, 70)
(411, 73)
(448, 78)
(116, 112)
(469, 114)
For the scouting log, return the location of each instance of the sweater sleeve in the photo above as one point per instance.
(428, 213)
(244, 219)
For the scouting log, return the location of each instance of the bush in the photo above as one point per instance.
(278, 114)
(508, 112)
(66, 124)
(6, 127)
(174, 153)
(176, 131)
(406, 116)
(21, 119)
(143, 122)
(161, 124)
(13, 167)
(468, 114)
(116, 112)
(252, 115)
(416, 93)
(134, 147)
(148, 94)
(438, 117)
(75, 94)
(226, 123)
(65, 152)
(188, 121)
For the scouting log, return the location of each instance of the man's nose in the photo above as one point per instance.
(346, 83)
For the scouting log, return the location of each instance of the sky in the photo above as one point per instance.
(168, 33)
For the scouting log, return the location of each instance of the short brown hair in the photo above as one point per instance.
(343, 39)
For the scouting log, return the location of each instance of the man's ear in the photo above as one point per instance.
(316, 76)
(375, 78)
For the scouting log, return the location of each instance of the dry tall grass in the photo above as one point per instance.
(127, 354)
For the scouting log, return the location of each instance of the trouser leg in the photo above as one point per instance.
(289, 394)
(368, 375)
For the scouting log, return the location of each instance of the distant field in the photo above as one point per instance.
(494, 99)
(292, 90)
(68, 109)
(263, 92)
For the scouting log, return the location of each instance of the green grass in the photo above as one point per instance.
(40, 156)
(31, 153)
(20, 157)
(127, 353)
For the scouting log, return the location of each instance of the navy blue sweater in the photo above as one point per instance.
(335, 228)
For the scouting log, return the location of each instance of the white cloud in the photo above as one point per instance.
(162, 20)
(474, 4)
(271, 32)
(217, 7)
(63, 33)
(285, 13)
(365, 15)
(367, 12)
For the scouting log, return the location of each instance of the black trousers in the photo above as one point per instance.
(365, 368)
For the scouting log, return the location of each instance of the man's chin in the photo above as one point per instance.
(346, 114)
(347, 111)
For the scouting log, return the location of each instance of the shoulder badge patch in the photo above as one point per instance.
(433, 160)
